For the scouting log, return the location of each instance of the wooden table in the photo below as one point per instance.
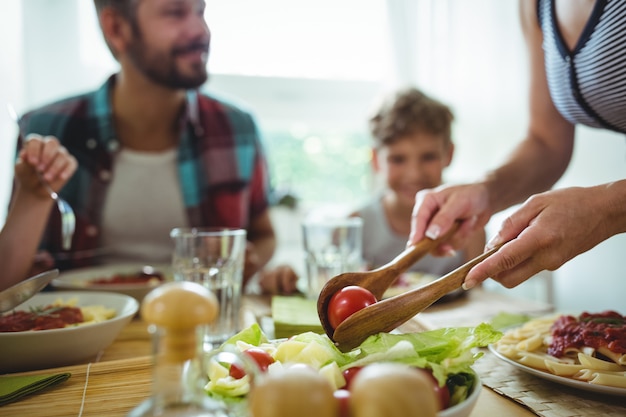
(92, 389)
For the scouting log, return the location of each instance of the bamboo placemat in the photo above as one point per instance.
(94, 390)
(545, 398)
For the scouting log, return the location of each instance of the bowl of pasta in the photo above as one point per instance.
(586, 351)
(61, 328)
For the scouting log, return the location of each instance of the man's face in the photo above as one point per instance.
(171, 40)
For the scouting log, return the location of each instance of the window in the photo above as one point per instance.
(325, 39)
(309, 72)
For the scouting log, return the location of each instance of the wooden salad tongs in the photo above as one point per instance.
(386, 315)
(378, 280)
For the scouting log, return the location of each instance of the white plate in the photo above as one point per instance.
(79, 279)
(583, 385)
(42, 349)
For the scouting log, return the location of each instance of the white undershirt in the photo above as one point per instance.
(144, 203)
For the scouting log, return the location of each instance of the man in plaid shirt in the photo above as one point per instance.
(153, 152)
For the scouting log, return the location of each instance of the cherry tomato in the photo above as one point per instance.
(343, 398)
(260, 357)
(349, 375)
(346, 302)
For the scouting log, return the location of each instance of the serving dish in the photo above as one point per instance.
(41, 349)
(82, 279)
(583, 385)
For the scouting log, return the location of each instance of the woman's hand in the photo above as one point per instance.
(437, 209)
(551, 228)
(43, 158)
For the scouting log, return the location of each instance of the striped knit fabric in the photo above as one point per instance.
(588, 83)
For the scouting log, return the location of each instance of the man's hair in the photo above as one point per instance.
(125, 8)
(409, 111)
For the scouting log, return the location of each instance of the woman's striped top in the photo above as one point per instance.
(588, 84)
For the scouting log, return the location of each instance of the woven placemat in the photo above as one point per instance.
(543, 397)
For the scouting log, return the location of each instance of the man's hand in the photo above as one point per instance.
(280, 280)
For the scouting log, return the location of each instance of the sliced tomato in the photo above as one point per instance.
(442, 393)
(343, 398)
(236, 371)
(258, 355)
(261, 357)
(349, 375)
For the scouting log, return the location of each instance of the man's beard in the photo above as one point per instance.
(160, 67)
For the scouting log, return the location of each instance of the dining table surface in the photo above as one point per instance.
(119, 378)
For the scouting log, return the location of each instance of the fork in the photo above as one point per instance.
(68, 219)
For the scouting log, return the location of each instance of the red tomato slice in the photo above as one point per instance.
(261, 357)
(258, 355)
(346, 302)
(442, 393)
(343, 398)
(236, 371)
(349, 375)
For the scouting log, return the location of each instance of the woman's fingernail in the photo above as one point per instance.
(468, 285)
(496, 240)
(433, 232)
(411, 235)
(450, 252)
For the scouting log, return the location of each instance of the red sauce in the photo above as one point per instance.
(595, 330)
(50, 317)
(137, 278)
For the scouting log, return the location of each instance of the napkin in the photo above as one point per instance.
(294, 315)
(12, 388)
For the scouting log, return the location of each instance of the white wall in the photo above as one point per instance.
(11, 91)
(595, 280)
(41, 62)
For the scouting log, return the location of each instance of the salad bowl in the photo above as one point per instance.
(446, 354)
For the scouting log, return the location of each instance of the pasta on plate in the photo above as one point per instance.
(91, 313)
(590, 347)
(56, 315)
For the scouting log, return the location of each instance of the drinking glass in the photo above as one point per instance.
(213, 257)
(331, 246)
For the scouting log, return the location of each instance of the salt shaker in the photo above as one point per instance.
(177, 313)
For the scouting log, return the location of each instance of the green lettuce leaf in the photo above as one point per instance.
(503, 320)
(252, 335)
(446, 351)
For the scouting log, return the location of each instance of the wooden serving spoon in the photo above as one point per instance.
(378, 280)
(386, 315)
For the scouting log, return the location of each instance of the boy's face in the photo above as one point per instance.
(412, 163)
(170, 44)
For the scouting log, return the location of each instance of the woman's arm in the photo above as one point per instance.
(535, 164)
(31, 204)
(544, 154)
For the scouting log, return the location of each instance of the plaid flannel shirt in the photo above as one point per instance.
(221, 164)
